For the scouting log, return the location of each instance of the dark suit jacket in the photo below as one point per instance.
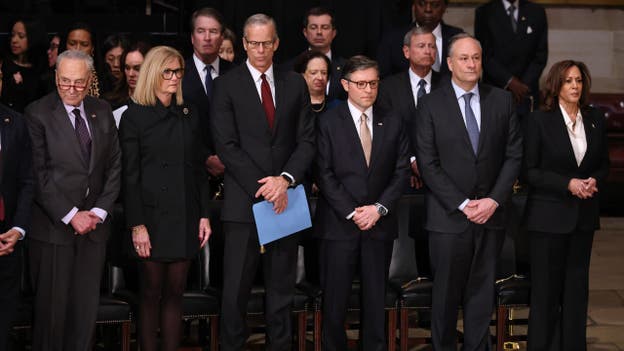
(549, 166)
(165, 184)
(395, 94)
(505, 54)
(16, 179)
(344, 180)
(449, 167)
(194, 93)
(336, 91)
(246, 145)
(63, 179)
(390, 52)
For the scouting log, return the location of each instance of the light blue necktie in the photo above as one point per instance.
(471, 123)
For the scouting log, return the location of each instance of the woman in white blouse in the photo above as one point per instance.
(566, 164)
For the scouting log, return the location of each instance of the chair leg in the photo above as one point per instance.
(392, 316)
(501, 324)
(403, 329)
(214, 333)
(317, 329)
(125, 336)
(301, 330)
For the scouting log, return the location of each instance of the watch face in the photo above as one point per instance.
(382, 211)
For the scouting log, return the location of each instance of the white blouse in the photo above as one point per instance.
(576, 132)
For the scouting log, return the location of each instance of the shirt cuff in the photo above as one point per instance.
(21, 231)
(463, 204)
(68, 217)
(100, 213)
(350, 215)
(412, 159)
(292, 179)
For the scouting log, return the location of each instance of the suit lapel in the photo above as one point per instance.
(91, 118)
(352, 137)
(560, 132)
(67, 129)
(407, 92)
(248, 89)
(486, 115)
(279, 98)
(590, 129)
(378, 137)
(456, 119)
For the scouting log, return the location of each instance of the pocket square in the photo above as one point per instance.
(529, 30)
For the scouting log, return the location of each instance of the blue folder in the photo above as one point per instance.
(295, 218)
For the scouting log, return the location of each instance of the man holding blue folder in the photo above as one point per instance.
(263, 131)
(362, 167)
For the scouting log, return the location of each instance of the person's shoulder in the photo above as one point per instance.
(450, 30)
(329, 118)
(531, 6)
(487, 6)
(393, 80)
(45, 104)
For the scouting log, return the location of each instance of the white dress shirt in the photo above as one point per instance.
(415, 79)
(576, 133)
(506, 5)
(256, 76)
(356, 113)
(201, 69)
(437, 33)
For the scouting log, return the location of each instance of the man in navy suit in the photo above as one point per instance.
(361, 171)
(16, 194)
(427, 14)
(207, 26)
(469, 150)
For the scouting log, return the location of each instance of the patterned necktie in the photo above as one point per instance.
(471, 123)
(208, 70)
(267, 100)
(512, 18)
(365, 138)
(83, 136)
(421, 90)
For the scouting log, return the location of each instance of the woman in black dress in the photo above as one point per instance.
(315, 68)
(165, 193)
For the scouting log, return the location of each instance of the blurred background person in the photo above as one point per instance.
(24, 65)
(227, 50)
(53, 50)
(112, 47)
(165, 189)
(132, 59)
(315, 67)
(567, 163)
(80, 36)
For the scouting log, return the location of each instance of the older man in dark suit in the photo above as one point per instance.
(427, 14)
(207, 26)
(469, 150)
(514, 35)
(264, 133)
(361, 171)
(77, 166)
(16, 194)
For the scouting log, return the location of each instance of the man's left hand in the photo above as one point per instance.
(272, 188)
(483, 210)
(8, 241)
(366, 217)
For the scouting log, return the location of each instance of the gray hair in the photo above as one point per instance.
(260, 19)
(358, 63)
(455, 38)
(75, 55)
(413, 32)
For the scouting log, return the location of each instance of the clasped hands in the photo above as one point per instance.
(143, 245)
(366, 217)
(583, 188)
(480, 211)
(84, 222)
(8, 241)
(273, 190)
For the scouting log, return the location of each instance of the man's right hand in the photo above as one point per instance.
(84, 222)
(415, 180)
(518, 89)
(214, 166)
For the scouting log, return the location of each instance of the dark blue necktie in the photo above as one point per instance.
(514, 24)
(421, 90)
(209, 81)
(83, 136)
(471, 123)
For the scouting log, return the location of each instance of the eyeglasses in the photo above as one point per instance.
(169, 73)
(77, 87)
(362, 84)
(256, 44)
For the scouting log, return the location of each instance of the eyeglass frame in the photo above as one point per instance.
(256, 44)
(363, 83)
(178, 72)
(77, 87)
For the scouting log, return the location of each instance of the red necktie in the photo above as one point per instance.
(267, 100)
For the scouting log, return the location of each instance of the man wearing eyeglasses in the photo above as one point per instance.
(427, 14)
(77, 165)
(362, 166)
(263, 130)
(207, 26)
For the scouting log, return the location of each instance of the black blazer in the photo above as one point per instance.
(194, 93)
(62, 177)
(246, 145)
(344, 180)
(395, 94)
(164, 181)
(16, 179)
(336, 91)
(449, 167)
(549, 166)
(522, 54)
(390, 51)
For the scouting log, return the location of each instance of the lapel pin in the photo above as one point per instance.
(523, 18)
(379, 123)
(185, 111)
(7, 120)
(93, 115)
(593, 126)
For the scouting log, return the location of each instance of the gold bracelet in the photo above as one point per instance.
(137, 228)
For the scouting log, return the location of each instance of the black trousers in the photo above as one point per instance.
(559, 290)
(241, 259)
(66, 279)
(464, 270)
(340, 260)
(10, 270)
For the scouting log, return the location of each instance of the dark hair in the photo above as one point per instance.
(318, 11)
(119, 94)
(207, 12)
(38, 44)
(114, 40)
(358, 63)
(555, 80)
(407, 38)
(455, 38)
(79, 26)
(301, 62)
(445, 2)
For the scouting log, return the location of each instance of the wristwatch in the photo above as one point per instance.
(381, 209)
